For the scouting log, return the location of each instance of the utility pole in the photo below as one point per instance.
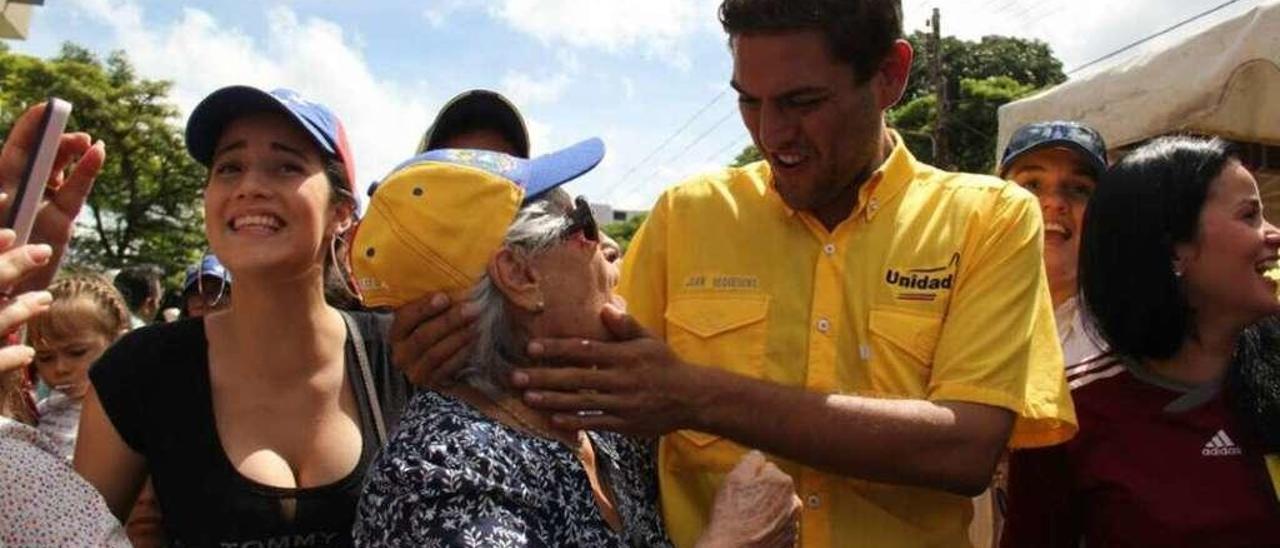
(939, 80)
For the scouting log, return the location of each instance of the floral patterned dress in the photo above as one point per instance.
(43, 502)
(451, 476)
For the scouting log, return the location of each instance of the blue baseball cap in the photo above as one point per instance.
(1082, 139)
(221, 107)
(208, 266)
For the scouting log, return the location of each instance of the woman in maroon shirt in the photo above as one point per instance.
(1176, 423)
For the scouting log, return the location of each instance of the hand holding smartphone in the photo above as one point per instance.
(26, 202)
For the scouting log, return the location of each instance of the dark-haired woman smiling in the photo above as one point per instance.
(1177, 425)
(256, 423)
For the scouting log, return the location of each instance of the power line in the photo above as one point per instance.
(1153, 36)
(985, 5)
(668, 140)
(739, 141)
(704, 135)
(1047, 16)
(672, 160)
(1024, 16)
(1006, 5)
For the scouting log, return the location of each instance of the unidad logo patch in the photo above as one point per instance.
(922, 284)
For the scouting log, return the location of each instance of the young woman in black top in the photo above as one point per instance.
(256, 423)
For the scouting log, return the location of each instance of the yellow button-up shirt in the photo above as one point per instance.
(933, 288)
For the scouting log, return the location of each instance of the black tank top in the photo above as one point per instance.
(154, 385)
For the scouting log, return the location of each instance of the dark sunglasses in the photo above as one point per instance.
(581, 219)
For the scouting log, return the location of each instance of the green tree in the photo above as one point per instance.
(982, 76)
(971, 128)
(623, 231)
(1029, 62)
(146, 204)
(748, 155)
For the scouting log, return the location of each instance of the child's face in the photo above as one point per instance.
(64, 364)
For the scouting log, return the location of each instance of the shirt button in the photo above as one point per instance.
(829, 249)
(813, 501)
(824, 325)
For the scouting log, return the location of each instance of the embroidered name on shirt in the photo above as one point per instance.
(923, 284)
(724, 283)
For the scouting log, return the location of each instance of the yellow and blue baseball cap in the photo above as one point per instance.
(435, 222)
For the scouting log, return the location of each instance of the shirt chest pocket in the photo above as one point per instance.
(903, 344)
(723, 332)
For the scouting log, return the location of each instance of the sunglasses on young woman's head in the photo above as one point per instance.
(581, 220)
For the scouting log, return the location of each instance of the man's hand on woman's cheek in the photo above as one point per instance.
(635, 385)
(431, 338)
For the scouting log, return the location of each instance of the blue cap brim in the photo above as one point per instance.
(552, 170)
(536, 176)
(211, 116)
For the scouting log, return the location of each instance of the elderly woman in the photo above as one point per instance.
(471, 465)
(1180, 425)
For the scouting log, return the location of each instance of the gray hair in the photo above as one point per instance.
(497, 349)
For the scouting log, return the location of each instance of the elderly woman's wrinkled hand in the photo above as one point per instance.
(65, 192)
(756, 507)
(15, 265)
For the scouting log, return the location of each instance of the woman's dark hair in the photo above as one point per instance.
(1253, 382)
(859, 32)
(1143, 206)
(338, 291)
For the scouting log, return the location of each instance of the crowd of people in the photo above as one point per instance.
(839, 345)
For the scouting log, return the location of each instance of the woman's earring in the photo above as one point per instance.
(539, 307)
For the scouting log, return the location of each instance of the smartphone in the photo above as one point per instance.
(26, 203)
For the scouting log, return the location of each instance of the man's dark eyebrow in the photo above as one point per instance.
(229, 147)
(790, 94)
(810, 90)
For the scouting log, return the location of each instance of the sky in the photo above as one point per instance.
(650, 77)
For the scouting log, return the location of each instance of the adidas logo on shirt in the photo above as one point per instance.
(1220, 446)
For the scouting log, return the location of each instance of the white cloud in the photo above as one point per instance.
(628, 88)
(539, 136)
(435, 17)
(527, 90)
(438, 11)
(199, 54)
(655, 27)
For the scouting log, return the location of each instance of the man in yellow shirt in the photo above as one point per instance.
(881, 327)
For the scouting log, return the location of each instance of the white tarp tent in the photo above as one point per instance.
(1223, 81)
